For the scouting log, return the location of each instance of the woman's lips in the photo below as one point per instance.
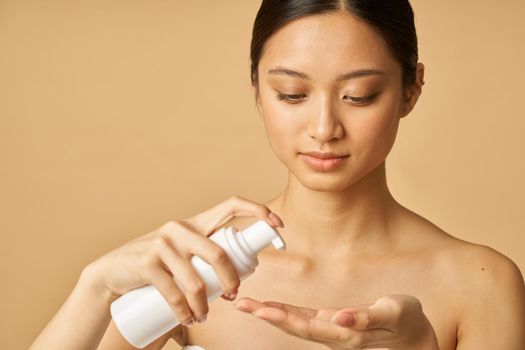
(322, 164)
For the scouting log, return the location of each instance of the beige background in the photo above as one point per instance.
(117, 116)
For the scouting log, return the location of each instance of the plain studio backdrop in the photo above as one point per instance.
(117, 116)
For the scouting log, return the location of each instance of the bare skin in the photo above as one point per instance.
(349, 243)
(425, 262)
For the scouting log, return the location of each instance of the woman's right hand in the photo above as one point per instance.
(165, 253)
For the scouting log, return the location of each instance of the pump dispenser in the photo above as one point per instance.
(142, 315)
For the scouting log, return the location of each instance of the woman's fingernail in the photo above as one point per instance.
(229, 296)
(275, 219)
(259, 313)
(346, 319)
(188, 323)
(202, 319)
(240, 307)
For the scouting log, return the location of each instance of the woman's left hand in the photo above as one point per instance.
(393, 322)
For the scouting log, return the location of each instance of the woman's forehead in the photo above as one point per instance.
(335, 41)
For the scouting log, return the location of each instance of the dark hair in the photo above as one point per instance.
(392, 19)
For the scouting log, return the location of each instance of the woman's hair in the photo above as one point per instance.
(393, 20)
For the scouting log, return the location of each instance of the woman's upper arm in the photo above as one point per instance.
(113, 340)
(493, 315)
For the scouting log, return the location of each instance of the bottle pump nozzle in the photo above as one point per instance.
(259, 234)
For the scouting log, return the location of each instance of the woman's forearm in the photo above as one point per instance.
(81, 321)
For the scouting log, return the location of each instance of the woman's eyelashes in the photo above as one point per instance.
(355, 100)
(290, 98)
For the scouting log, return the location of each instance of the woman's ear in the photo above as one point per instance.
(414, 91)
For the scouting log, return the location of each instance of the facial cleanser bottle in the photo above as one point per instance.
(142, 315)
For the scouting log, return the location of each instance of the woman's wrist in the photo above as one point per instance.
(90, 280)
(88, 306)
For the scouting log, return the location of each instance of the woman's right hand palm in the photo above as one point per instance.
(164, 254)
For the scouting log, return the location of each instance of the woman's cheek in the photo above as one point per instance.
(377, 133)
(281, 134)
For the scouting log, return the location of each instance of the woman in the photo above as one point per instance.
(332, 80)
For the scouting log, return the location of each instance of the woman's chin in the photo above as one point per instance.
(324, 182)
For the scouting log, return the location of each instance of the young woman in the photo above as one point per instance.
(332, 79)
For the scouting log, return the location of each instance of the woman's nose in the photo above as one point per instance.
(324, 125)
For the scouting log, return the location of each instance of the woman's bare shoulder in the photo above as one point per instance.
(478, 271)
(479, 258)
(488, 289)
(468, 259)
(475, 266)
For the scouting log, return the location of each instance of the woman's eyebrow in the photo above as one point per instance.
(345, 76)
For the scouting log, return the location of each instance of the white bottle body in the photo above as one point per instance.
(142, 315)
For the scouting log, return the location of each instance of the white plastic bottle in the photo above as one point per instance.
(142, 315)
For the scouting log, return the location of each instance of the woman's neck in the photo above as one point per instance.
(356, 220)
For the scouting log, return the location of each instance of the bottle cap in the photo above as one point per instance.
(261, 234)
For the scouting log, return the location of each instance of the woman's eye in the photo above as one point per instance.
(290, 98)
(360, 100)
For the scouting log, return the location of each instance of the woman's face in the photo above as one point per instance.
(356, 116)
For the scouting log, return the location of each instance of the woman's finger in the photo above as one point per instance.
(208, 221)
(167, 287)
(207, 250)
(385, 313)
(250, 305)
(320, 329)
(187, 279)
